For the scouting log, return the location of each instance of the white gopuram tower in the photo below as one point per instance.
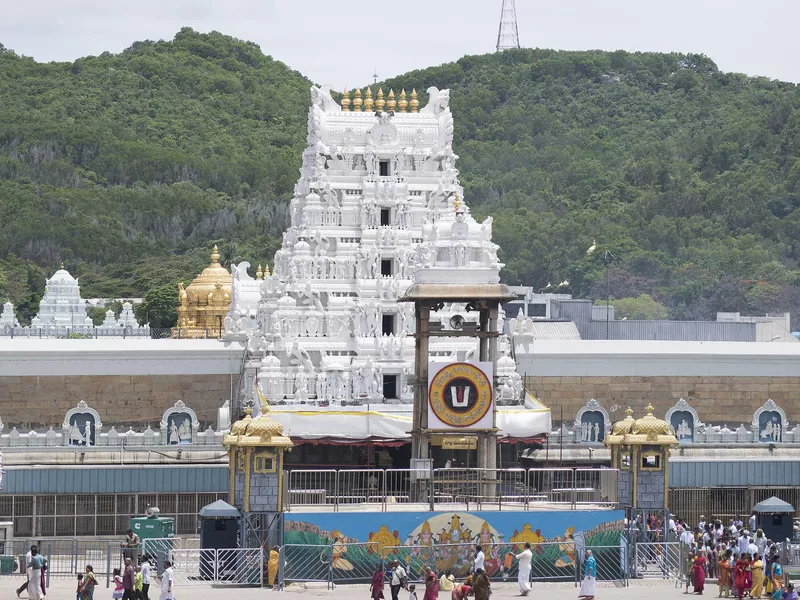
(376, 186)
(62, 305)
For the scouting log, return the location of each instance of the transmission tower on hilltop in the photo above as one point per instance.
(508, 34)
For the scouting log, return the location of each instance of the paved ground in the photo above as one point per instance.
(651, 589)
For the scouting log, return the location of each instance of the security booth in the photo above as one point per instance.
(219, 528)
(774, 518)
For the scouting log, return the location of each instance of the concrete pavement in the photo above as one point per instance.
(653, 589)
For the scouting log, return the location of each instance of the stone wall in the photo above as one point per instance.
(264, 492)
(650, 490)
(122, 400)
(730, 400)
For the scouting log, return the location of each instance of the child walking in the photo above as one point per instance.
(118, 590)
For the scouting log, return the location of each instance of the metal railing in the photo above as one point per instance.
(478, 488)
(116, 333)
(226, 566)
(355, 563)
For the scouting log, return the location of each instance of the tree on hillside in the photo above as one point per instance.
(643, 307)
(159, 307)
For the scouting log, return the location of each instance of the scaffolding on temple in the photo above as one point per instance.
(508, 33)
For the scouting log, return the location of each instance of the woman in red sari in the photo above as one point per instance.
(748, 574)
(699, 572)
(738, 576)
(431, 585)
(376, 586)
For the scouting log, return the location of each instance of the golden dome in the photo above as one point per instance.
(261, 431)
(204, 303)
(624, 426)
(651, 426)
(240, 427)
(264, 426)
(204, 284)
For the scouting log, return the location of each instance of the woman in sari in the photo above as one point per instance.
(777, 579)
(738, 577)
(757, 569)
(480, 585)
(376, 585)
(768, 576)
(748, 574)
(431, 585)
(699, 574)
(724, 580)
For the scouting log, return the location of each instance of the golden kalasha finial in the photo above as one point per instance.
(368, 103)
(457, 203)
(392, 103)
(345, 100)
(259, 273)
(62, 265)
(403, 104)
(357, 101)
(629, 411)
(380, 102)
(215, 255)
(414, 102)
(266, 270)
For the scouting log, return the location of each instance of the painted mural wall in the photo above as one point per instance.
(445, 540)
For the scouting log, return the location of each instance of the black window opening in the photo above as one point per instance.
(388, 325)
(538, 310)
(390, 386)
(384, 168)
(386, 266)
(386, 216)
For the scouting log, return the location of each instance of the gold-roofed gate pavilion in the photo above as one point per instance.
(640, 450)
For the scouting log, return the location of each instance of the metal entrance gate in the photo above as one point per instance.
(659, 560)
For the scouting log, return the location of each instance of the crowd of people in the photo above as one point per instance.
(130, 583)
(744, 561)
(476, 585)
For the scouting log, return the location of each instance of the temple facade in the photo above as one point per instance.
(62, 305)
(378, 206)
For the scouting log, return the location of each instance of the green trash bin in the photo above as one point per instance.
(8, 565)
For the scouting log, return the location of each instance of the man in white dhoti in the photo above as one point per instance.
(524, 576)
(35, 566)
(589, 577)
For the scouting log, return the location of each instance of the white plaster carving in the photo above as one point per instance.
(585, 431)
(179, 425)
(773, 430)
(79, 431)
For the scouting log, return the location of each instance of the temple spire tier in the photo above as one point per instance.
(378, 204)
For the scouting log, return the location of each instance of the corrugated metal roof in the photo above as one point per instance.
(689, 331)
(120, 479)
(733, 473)
(555, 330)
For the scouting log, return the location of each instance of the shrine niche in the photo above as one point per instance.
(179, 425)
(770, 423)
(81, 426)
(592, 423)
(684, 421)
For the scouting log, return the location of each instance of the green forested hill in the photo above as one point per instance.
(128, 166)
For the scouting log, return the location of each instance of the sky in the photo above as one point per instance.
(344, 42)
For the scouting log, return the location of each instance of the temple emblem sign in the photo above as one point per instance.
(460, 396)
